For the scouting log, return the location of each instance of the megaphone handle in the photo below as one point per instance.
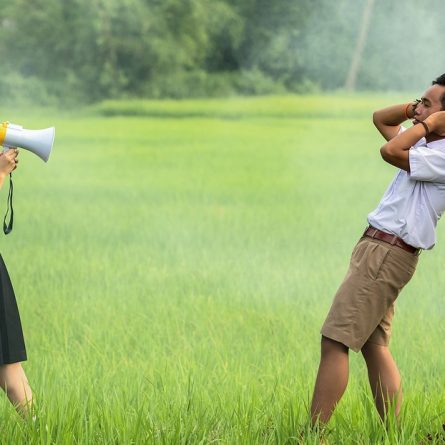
(7, 228)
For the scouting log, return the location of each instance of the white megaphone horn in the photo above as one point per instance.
(40, 142)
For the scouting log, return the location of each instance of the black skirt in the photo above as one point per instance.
(12, 344)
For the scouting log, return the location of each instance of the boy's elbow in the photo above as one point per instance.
(375, 118)
(392, 155)
(389, 153)
(385, 152)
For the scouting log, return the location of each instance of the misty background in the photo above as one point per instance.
(84, 51)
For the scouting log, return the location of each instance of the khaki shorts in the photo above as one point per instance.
(363, 306)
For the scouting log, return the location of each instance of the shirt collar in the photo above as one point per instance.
(440, 143)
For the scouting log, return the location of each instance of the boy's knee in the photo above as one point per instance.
(374, 351)
(329, 346)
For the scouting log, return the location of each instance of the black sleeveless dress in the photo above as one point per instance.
(12, 344)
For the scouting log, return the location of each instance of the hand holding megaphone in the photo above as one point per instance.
(8, 163)
(39, 142)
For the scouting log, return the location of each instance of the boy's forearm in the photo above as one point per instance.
(388, 120)
(393, 115)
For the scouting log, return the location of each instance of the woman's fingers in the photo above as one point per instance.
(8, 160)
(10, 157)
(12, 154)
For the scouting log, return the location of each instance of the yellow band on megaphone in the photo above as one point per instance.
(3, 128)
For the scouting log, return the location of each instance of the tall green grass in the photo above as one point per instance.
(173, 268)
(312, 106)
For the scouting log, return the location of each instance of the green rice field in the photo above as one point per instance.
(173, 263)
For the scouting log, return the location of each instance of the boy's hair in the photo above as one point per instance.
(440, 81)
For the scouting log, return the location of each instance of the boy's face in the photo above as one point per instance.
(429, 103)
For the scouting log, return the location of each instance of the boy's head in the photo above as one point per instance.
(432, 100)
(440, 81)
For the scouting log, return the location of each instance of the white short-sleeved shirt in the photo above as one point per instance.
(415, 201)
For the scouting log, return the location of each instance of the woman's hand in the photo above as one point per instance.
(8, 162)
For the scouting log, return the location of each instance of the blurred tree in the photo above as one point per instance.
(271, 34)
(225, 28)
(87, 50)
(351, 80)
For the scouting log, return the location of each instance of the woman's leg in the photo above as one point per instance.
(332, 380)
(14, 382)
(384, 378)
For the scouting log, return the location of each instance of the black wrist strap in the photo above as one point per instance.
(7, 228)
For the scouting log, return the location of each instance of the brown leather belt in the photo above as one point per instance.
(372, 232)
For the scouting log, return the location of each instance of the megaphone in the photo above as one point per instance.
(39, 142)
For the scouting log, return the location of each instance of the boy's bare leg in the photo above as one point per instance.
(332, 379)
(384, 378)
(14, 382)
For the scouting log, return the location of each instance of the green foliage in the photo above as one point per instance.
(83, 51)
(21, 91)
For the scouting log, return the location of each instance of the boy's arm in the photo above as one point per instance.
(396, 151)
(388, 120)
